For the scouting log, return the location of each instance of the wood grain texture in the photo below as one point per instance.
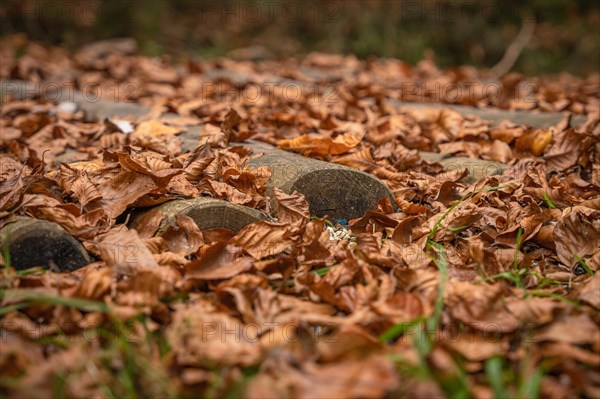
(330, 189)
(208, 213)
(36, 242)
(477, 168)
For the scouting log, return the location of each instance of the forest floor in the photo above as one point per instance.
(456, 288)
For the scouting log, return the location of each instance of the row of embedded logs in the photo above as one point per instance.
(330, 189)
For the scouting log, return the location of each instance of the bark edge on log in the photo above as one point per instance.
(208, 213)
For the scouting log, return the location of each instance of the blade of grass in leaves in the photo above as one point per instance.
(399, 329)
(530, 387)
(319, 272)
(493, 371)
(456, 386)
(459, 228)
(29, 272)
(582, 263)
(442, 264)
(129, 374)
(31, 297)
(12, 308)
(545, 281)
(425, 336)
(548, 201)
(422, 343)
(8, 382)
(237, 389)
(133, 368)
(323, 271)
(515, 276)
(93, 370)
(546, 294)
(157, 337)
(57, 340)
(460, 201)
(59, 385)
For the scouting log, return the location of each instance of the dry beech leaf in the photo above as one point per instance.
(218, 261)
(155, 128)
(292, 208)
(313, 144)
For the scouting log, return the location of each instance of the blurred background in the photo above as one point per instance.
(548, 36)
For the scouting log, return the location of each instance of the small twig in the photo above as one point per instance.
(514, 50)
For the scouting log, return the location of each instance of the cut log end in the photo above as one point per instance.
(33, 242)
(330, 189)
(340, 193)
(208, 213)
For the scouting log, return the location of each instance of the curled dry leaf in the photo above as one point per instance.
(576, 238)
(588, 292)
(155, 128)
(200, 334)
(313, 144)
(263, 239)
(534, 141)
(217, 261)
(125, 251)
(185, 237)
(371, 377)
(566, 150)
(292, 208)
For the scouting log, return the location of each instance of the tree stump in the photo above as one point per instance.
(36, 242)
(208, 213)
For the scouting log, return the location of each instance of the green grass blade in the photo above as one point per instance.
(438, 224)
(27, 298)
(399, 329)
(493, 371)
(546, 294)
(548, 201)
(582, 263)
(530, 387)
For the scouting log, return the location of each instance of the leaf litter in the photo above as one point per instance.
(454, 290)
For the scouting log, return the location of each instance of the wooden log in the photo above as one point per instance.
(208, 213)
(35, 242)
(103, 108)
(91, 103)
(330, 189)
(432, 156)
(477, 168)
(492, 115)
(495, 115)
